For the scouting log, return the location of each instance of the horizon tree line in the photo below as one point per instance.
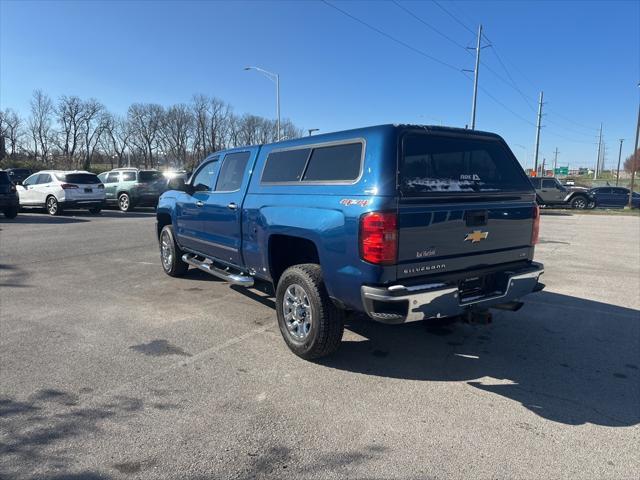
(72, 132)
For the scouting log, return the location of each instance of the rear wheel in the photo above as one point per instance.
(124, 202)
(579, 202)
(310, 323)
(11, 212)
(52, 206)
(171, 254)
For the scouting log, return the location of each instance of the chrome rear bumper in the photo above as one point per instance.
(400, 304)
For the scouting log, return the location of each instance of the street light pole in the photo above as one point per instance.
(619, 156)
(274, 77)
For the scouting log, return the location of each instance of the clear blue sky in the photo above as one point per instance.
(335, 72)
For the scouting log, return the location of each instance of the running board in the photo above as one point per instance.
(234, 278)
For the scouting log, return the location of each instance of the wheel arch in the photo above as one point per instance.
(285, 250)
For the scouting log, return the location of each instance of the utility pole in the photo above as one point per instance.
(634, 161)
(538, 126)
(475, 79)
(544, 160)
(555, 161)
(595, 172)
(619, 157)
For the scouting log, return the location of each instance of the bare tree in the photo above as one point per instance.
(70, 112)
(115, 138)
(13, 130)
(40, 123)
(177, 130)
(93, 124)
(145, 120)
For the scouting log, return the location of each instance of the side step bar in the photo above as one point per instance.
(223, 273)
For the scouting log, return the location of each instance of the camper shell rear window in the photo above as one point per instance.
(437, 164)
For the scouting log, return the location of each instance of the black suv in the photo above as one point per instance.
(9, 202)
(18, 175)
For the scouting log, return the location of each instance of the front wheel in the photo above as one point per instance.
(310, 323)
(52, 206)
(579, 202)
(171, 254)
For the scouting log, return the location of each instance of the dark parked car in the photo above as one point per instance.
(9, 203)
(550, 192)
(18, 175)
(614, 197)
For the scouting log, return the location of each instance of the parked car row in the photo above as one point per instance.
(56, 190)
(550, 192)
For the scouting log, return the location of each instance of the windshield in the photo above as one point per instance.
(432, 163)
(78, 177)
(146, 177)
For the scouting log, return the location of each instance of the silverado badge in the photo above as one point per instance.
(476, 236)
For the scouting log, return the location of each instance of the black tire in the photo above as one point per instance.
(579, 202)
(124, 202)
(324, 334)
(171, 258)
(11, 212)
(52, 206)
(95, 211)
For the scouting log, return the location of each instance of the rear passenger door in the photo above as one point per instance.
(110, 185)
(221, 209)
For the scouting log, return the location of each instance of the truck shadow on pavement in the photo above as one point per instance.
(567, 359)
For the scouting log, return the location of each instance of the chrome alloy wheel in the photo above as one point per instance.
(124, 202)
(52, 206)
(297, 312)
(166, 252)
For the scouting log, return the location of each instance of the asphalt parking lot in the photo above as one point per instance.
(111, 369)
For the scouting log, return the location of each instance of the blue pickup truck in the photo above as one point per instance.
(401, 222)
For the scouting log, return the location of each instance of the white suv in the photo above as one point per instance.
(55, 190)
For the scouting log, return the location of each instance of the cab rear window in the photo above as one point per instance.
(82, 178)
(437, 164)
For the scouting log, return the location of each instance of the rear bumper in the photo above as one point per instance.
(399, 304)
(83, 204)
(9, 201)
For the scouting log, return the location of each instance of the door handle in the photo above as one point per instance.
(232, 206)
(199, 203)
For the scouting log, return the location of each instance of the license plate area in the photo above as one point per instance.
(474, 288)
(88, 190)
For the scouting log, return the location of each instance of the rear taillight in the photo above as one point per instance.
(68, 186)
(379, 238)
(13, 188)
(535, 232)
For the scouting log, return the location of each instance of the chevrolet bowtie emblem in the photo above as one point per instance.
(476, 236)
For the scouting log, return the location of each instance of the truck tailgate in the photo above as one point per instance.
(447, 238)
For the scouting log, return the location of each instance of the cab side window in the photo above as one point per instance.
(232, 171)
(113, 177)
(549, 183)
(203, 181)
(128, 176)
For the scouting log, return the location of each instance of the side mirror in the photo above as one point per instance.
(18, 182)
(179, 184)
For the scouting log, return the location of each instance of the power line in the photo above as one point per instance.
(390, 37)
(431, 27)
(454, 17)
